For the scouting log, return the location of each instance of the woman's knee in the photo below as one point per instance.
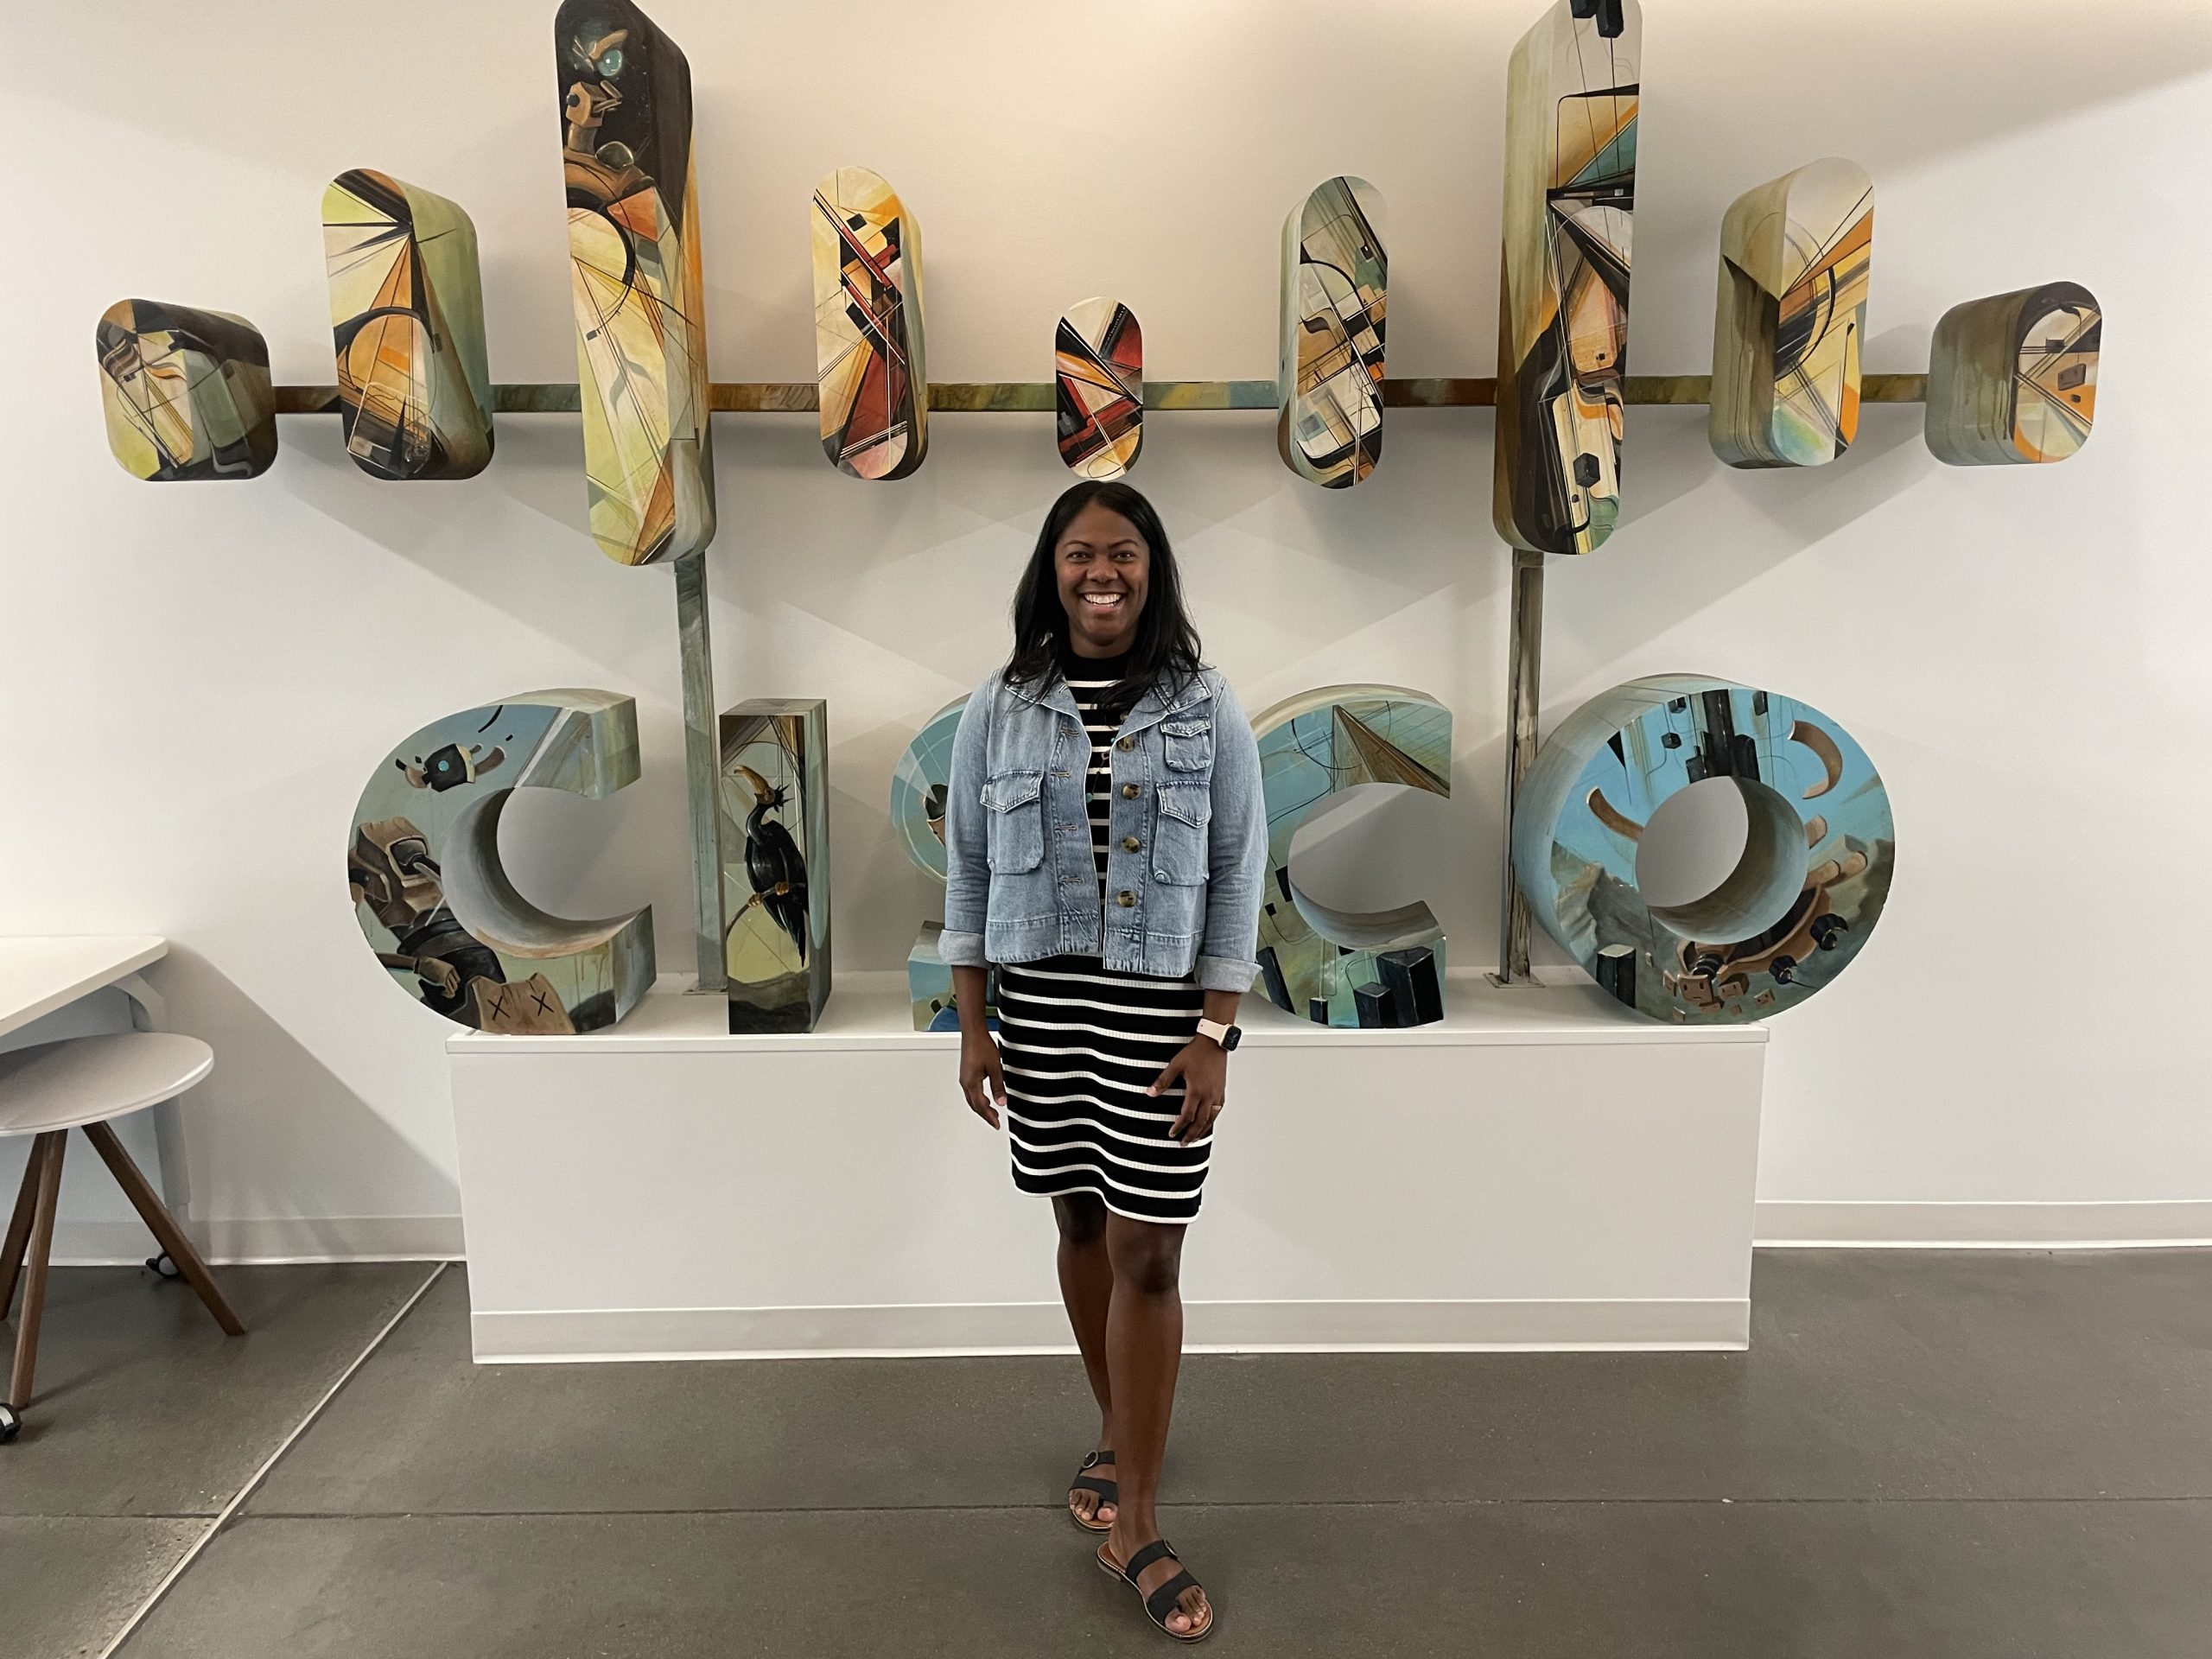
(1147, 1256)
(1082, 1218)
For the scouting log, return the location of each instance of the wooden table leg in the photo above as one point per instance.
(164, 1225)
(49, 1199)
(19, 1227)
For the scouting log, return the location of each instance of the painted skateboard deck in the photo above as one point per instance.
(1335, 277)
(407, 317)
(873, 385)
(2012, 379)
(634, 248)
(1562, 315)
(186, 393)
(1795, 257)
(1099, 365)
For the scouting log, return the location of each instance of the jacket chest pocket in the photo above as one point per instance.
(1015, 829)
(1189, 744)
(1179, 837)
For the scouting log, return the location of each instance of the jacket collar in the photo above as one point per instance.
(1148, 707)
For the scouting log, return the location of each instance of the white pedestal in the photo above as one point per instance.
(1540, 1170)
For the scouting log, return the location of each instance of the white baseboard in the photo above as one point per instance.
(1041, 1328)
(2147, 1223)
(268, 1240)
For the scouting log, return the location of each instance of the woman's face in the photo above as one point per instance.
(1104, 568)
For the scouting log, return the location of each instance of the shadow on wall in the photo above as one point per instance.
(270, 1104)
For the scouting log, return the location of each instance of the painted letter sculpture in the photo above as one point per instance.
(407, 311)
(1335, 272)
(1562, 308)
(775, 839)
(1803, 899)
(2012, 379)
(874, 388)
(1795, 255)
(1098, 376)
(634, 248)
(1334, 967)
(432, 899)
(186, 392)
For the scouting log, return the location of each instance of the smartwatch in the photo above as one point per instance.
(1227, 1036)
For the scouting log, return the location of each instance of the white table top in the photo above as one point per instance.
(39, 974)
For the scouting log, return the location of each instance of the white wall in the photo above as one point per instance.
(197, 680)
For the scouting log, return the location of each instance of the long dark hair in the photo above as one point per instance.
(1166, 649)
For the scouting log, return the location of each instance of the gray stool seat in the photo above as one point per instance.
(82, 1080)
(78, 1083)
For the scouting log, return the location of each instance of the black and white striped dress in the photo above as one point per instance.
(1079, 1045)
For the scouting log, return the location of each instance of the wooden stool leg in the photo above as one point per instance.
(164, 1225)
(19, 1227)
(49, 1199)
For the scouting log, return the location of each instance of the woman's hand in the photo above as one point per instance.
(981, 1079)
(1204, 1067)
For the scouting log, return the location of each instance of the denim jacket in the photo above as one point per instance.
(1021, 874)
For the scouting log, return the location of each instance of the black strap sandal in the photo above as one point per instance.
(1162, 1602)
(1110, 1491)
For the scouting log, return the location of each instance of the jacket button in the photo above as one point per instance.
(1125, 898)
(1130, 843)
(1127, 744)
(1130, 792)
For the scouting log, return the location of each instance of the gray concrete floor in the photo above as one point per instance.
(1922, 1454)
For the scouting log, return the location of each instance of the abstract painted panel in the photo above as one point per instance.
(424, 870)
(633, 253)
(1335, 967)
(1795, 255)
(874, 387)
(186, 393)
(407, 311)
(1335, 275)
(918, 787)
(2012, 379)
(1804, 895)
(1098, 363)
(1562, 315)
(775, 839)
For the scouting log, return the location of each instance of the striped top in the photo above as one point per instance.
(1090, 679)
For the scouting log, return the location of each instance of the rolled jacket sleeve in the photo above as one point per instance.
(967, 864)
(1236, 851)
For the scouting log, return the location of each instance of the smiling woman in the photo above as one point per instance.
(1105, 843)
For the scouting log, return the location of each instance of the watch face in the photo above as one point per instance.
(1230, 1038)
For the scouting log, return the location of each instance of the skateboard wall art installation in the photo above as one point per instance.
(2012, 379)
(1795, 256)
(1098, 377)
(1335, 272)
(407, 313)
(1335, 967)
(1562, 324)
(870, 377)
(918, 785)
(634, 251)
(186, 393)
(775, 841)
(1804, 895)
(432, 899)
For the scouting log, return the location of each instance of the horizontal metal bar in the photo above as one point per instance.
(1036, 396)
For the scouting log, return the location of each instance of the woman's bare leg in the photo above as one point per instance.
(1144, 1352)
(1087, 1288)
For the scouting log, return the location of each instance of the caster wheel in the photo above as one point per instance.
(162, 1267)
(11, 1424)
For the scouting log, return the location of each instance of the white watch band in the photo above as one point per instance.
(1212, 1028)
